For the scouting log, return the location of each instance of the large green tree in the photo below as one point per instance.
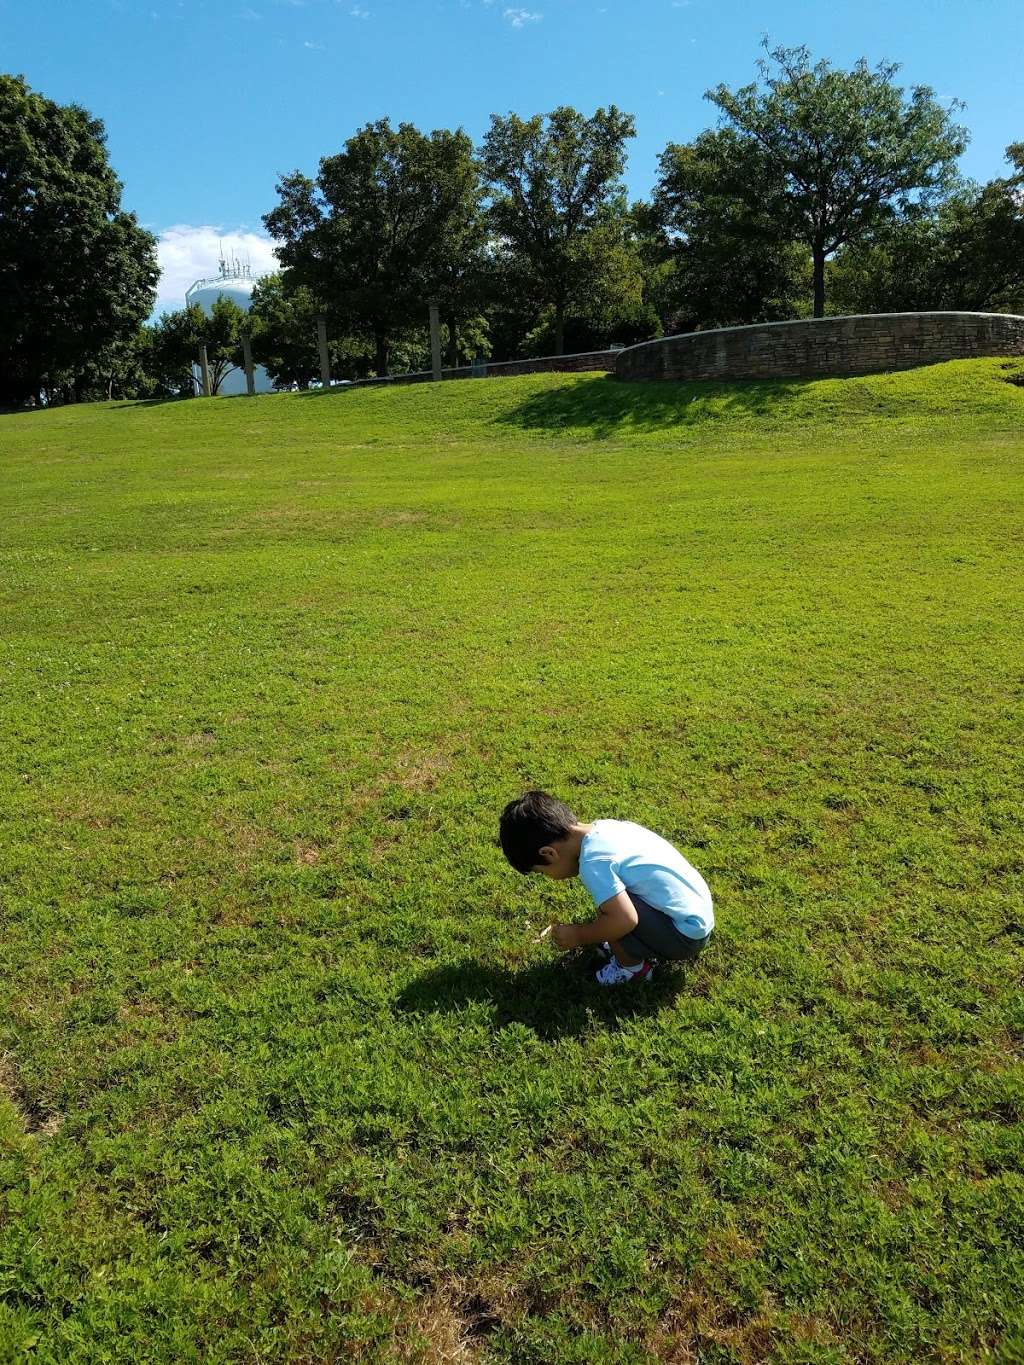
(731, 264)
(967, 255)
(77, 273)
(175, 339)
(284, 337)
(826, 156)
(557, 209)
(374, 235)
(173, 349)
(221, 333)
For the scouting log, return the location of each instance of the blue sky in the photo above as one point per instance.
(206, 102)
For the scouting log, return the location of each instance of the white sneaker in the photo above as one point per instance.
(614, 974)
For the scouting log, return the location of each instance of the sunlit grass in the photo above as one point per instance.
(285, 1076)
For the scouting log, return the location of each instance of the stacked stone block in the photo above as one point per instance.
(580, 363)
(825, 347)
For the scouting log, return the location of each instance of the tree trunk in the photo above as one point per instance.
(559, 328)
(381, 361)
(819, 280)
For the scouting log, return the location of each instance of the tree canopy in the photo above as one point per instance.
(554, 190)
(373, 237)
(969, 254)
(815, 179)
(820, 156)
(77, 273)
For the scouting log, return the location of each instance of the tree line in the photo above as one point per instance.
(819, 190)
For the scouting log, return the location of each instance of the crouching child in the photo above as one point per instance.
(651, 903)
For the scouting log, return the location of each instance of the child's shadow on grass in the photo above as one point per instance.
(555, 999)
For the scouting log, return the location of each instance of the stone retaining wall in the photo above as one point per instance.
(569, 364)
(824, 347)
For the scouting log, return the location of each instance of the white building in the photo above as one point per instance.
(234, 281)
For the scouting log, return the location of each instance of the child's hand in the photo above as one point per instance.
(564, 936)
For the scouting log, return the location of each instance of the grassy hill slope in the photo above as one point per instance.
(284, 1075)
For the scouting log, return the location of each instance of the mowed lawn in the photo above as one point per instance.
(284, 1075)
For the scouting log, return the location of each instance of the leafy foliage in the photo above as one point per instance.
(387, 223)
(172, 351)
(818, 156)
(557, 208)
(969, 254)
(733, 264)
(77, 273)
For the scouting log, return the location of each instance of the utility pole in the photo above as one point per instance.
(250, 376)
(435, 338)
(204, 365)
(325, 359)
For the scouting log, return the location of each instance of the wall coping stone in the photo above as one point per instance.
(484, 372)
(842, 346)
(811, 322)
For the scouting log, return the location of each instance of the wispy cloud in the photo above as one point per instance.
(250, 15)
(356, 12)
(314, 47)
(519, 18)
(187, 253)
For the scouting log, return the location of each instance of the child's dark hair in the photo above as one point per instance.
(530, 823)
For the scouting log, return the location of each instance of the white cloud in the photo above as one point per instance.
(519, 18)
(187, 254)
(314, 47)
(358, 13)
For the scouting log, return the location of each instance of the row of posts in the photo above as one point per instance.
(325, 361)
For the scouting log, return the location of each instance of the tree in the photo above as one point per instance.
(967, 255)
(830, 156)
(731, 265)
(373, 237)
(284, 338)
(553, 192)
(77, 273)
(177, 337)
(173, 349)
(120, 370)
(221, 333)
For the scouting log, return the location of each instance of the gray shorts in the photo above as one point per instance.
(657, 936)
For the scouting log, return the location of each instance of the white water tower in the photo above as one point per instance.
(234, 281)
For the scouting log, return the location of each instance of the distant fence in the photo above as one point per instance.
(824, 347)
(579, 363)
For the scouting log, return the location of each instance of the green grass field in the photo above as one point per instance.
(284, 1076)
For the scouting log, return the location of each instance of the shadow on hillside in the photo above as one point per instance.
(555, 999)
(607, 406)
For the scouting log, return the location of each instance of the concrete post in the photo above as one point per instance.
(435, 339)
(325, 360)
(204, 366)
(250, 374)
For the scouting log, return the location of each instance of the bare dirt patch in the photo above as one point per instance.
(449, 1323)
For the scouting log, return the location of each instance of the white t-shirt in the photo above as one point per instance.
(619, 856)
